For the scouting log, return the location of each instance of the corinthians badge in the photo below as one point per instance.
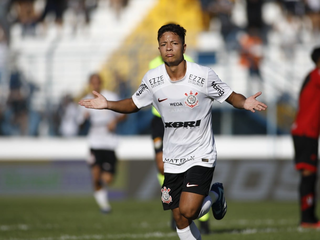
(165, 197)
(191, 100)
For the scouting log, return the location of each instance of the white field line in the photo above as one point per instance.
(151, 235)
(258, 222)
(162, 235)
(24, 227)
(270, 230)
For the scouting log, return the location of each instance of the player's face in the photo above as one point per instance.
(171, 48)
(95, 83)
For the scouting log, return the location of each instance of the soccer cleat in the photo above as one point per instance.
(219, 207)
(105, 211)
(315, 225)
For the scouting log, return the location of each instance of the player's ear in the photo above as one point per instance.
(184, 48)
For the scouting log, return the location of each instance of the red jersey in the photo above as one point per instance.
(307, 122)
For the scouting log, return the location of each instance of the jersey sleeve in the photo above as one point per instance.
(143, 96)
(217, 89)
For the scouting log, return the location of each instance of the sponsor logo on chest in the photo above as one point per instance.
(156, 81)
(176, 104)
(191, 100)
(188, 124)
(196, 80)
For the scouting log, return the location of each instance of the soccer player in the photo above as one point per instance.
(305, 133)
(102, 142)
(157, 131)
(183, 92)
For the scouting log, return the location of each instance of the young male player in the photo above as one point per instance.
(183, 92)
(157, 131)
(305, 132)
(102, 142)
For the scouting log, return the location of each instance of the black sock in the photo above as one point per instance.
(308, 198)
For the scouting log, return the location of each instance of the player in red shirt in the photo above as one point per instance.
(305, 132)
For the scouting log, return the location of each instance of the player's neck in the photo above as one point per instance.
(177, 72)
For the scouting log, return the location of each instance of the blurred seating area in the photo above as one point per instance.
(28, 29)
(48, 48)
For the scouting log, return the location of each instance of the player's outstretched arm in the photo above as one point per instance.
(251, 103)
(100, 102)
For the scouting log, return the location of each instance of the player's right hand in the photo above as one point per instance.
(99, 102)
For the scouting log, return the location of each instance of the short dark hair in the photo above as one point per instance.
(315, 55)
(172, 27)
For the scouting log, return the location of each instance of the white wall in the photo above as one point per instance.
(141, 148)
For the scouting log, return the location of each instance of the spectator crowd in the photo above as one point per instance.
(16, 114)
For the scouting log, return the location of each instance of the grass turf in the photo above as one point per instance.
(75, 218)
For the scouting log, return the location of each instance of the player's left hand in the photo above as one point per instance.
(253, 105)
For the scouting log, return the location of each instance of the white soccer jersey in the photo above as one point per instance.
(99, 136)
(185, 108)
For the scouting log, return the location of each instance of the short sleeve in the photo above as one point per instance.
(217, 89)
(143, 96)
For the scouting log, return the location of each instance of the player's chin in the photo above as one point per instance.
(172, 62)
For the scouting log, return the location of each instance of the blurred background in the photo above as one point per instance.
(48, 49)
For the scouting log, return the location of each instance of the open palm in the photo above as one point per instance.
(99, 102)
(252, 104)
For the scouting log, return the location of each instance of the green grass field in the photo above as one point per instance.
(71, 218)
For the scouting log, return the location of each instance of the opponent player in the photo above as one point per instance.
(102, 142)
(157, 131)
(183, 92)
(305, 133)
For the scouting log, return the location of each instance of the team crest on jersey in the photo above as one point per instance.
(165, 196)
(191, 100)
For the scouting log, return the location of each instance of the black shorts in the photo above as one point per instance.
(306, 153)
(157, 131)
(197, 179)
(105, 159)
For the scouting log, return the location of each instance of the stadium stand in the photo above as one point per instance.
(59, 60)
